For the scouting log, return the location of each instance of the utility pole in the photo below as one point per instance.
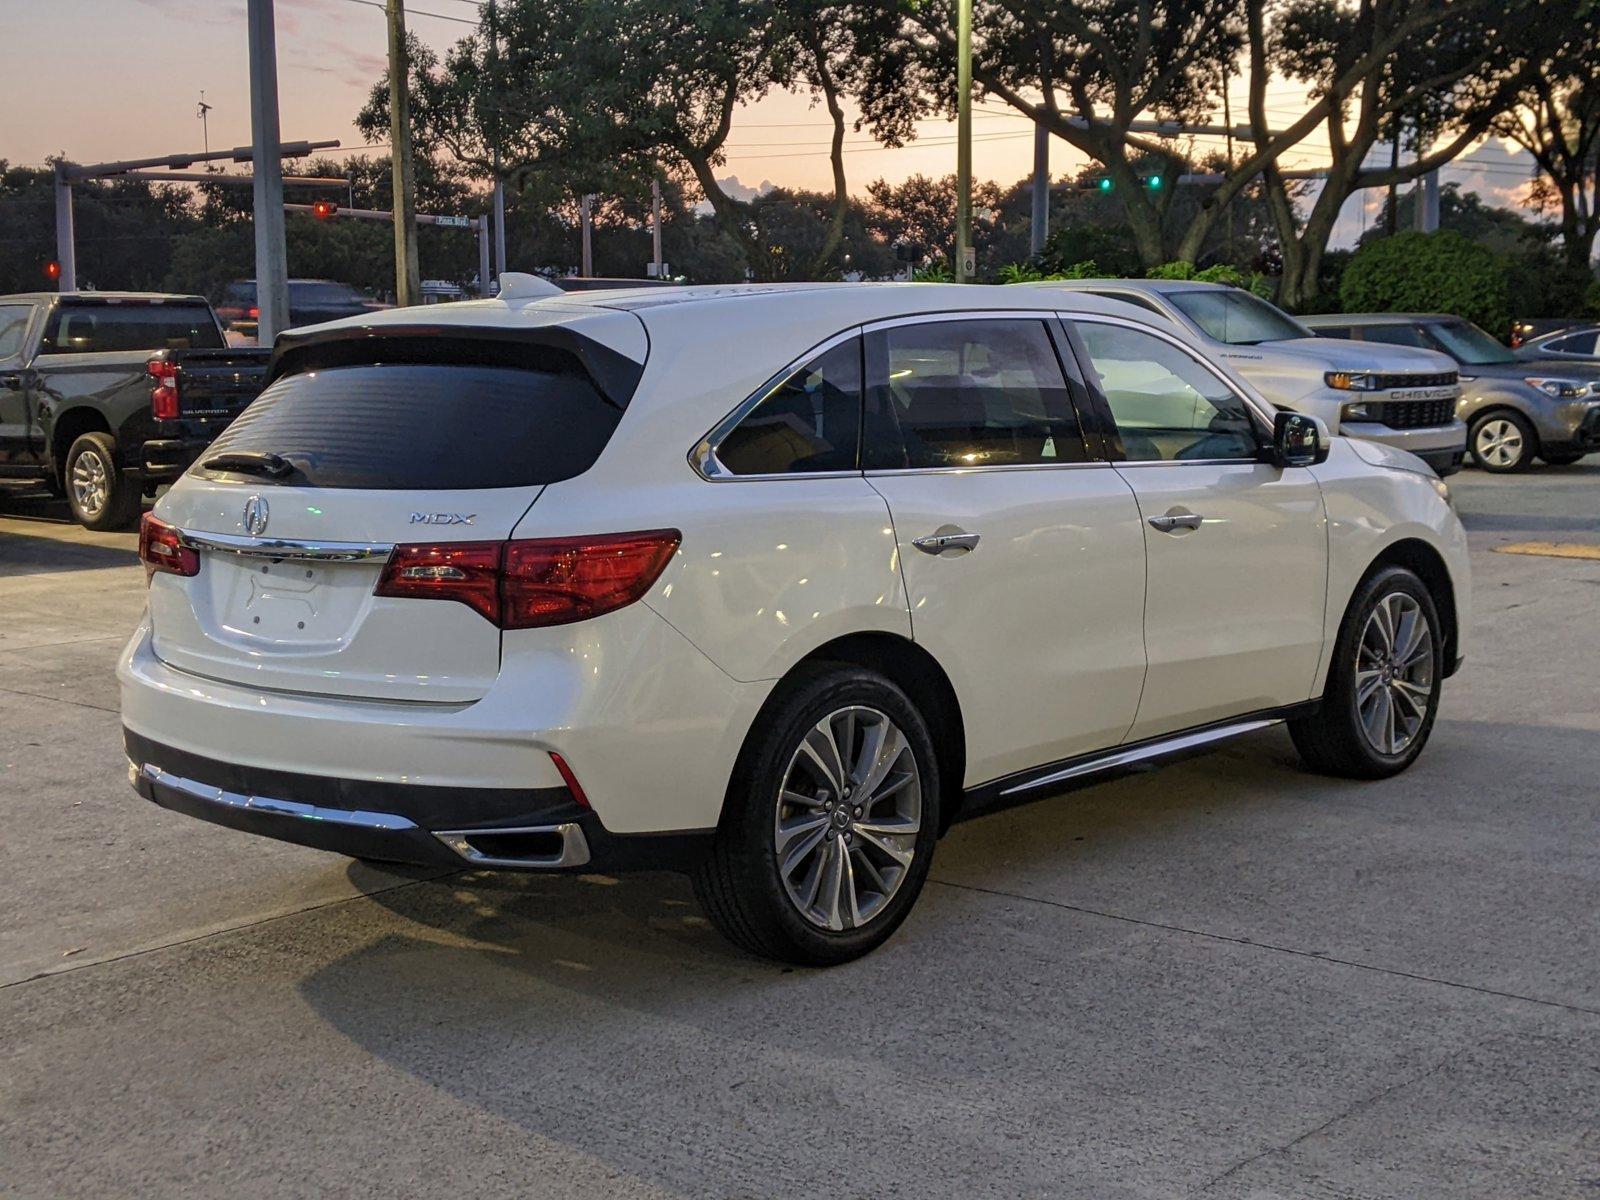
(272, 265)
(1427, 194)
(407, 275)
(655, 226)
(494, 137)
(586, 219)
(1391, 217)
(965, 264)
(1040, 227)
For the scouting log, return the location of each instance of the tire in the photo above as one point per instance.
(1502, 442)
(100, 496)
(1342, 738)
(798, 916)
(1562, 460)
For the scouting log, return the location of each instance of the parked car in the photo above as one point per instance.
(1576, 344)
(106, 395)
(1525, 329)
(1515, 408)
(768, 584)
(1401, 398)
(311, 302)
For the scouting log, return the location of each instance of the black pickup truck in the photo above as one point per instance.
(106, 395)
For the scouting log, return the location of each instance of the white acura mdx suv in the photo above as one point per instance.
(766, 584)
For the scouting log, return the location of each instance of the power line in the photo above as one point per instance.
(415, 12)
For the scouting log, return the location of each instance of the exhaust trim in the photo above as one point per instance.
(574, 847)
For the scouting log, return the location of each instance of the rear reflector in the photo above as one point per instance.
(161, 548)
(533, 583)
(569, 779)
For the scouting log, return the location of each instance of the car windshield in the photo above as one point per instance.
(1469, 345)
(1236, 317)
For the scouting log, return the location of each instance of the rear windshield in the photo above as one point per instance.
(97, 328)
(427, 425)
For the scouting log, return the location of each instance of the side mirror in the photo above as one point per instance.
(1298, 440)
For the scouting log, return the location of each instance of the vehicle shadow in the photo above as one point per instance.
(606, 1014)
(27, 554)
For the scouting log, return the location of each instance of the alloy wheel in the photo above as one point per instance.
(89, 483)
(1394, 673)
(1498, 443)
(847, 818)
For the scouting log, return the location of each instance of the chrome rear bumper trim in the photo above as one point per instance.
(287, 548)
(266, 804)
(574, 846)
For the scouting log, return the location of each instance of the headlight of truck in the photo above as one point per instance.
(1562, 389)
(1351, 381)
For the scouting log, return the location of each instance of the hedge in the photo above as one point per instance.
(1428, 272)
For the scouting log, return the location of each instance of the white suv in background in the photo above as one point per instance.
(767, 584)
(1401, 397)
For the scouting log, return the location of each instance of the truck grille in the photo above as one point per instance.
(1439, 379)
(1413, 414)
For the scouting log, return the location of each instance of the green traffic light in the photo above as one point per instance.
(1105, 185)
(1155, 183)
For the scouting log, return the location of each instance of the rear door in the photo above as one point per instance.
(1022, 553)
(452, 447)
(18, 445)
(1237, 548)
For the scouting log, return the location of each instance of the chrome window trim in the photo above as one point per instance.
(287, 548)
(1250, 402)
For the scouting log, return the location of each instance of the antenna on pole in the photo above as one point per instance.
(205, 125)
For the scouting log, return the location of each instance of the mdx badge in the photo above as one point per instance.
(256, 513)
(443, 518)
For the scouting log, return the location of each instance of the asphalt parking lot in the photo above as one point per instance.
(1227, 978)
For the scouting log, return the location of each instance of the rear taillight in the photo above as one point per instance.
(255, 313)
(164, 396)
(527, 584)
(161, 548)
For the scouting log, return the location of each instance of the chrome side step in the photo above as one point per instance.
(1159, 748)
(567, 847)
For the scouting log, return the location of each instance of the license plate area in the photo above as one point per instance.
(288, 605)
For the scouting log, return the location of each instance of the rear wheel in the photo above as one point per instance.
(1383, 685)
(1503, 442)
(100, 496)
(830, 822)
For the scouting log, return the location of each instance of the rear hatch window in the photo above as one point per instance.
(428, 426)
(97, 328)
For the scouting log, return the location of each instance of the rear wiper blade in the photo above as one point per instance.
(250, 462)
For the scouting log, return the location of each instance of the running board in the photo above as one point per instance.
(1018, 788)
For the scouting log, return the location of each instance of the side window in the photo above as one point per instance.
(1577, 343)
(968, 394)
(1395, 335)
(1166, 405)
(809, 422)
(13, 328)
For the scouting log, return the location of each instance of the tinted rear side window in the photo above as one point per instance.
(98, 328)
(809, 422)
(427, 425)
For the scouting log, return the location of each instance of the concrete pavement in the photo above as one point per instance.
(1225, 978)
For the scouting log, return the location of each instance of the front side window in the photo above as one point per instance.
(974, 393)
(13, 328)
(810, 422)
(1236, 317)
(1167, 407)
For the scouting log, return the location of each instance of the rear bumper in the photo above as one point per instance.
(534, 829)
(164, 459)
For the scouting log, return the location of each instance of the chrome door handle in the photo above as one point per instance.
(1173, 521)
(954, 539)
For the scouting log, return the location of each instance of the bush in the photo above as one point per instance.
(1428, 272)
(1031, 272)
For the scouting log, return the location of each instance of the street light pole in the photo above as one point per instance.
(494, 137)
(965, 264)
(407, 274)
(272, 265)
(1039, 228)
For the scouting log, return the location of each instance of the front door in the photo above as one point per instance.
(1237, 549)
(1023, 556)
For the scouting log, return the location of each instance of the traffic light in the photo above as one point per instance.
(1153, 183)
(52, 271)
(323, 209)
(1105, 184)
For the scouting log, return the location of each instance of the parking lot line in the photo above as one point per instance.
(1552, 549)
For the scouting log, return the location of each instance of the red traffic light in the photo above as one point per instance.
(52, 271)
(323, 209)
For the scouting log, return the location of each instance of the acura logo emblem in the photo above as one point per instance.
(255, 516)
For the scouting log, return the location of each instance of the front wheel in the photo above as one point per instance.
(829, 824)
(1503, 442)
(100, 496)
(1383, 685)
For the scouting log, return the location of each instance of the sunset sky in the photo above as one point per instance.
(122, 78)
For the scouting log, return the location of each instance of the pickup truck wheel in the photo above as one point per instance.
(97, 492)
(1383, 685)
